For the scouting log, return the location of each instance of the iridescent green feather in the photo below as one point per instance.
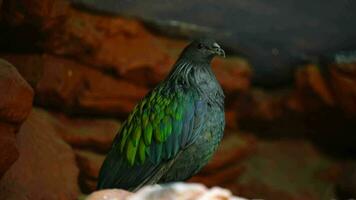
(155, 118)
(142, 151)
(131, 152)
(148, 130)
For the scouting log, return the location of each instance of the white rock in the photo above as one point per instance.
(175, 191)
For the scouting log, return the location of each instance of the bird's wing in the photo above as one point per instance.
(160, 126)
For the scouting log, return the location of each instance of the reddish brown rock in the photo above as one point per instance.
(234, 74)
(283, 169)
(343, 80)
(95, 134)
(39, 13)
(117, 45)
(16, 95)
(77, 88)
(29, 66)
(89, 164)
(46, 168)
(316, 100)
(8, 149)
(15, 104)
(346, 181)
(312, 89)
(111, 43)
(315, 90)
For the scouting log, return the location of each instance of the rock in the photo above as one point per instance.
(182, 191)
(87, 136)
(95, 134)
(89, 164)
(87, 185)
(346, 182)
(37, 13)
(109, 194)
(28, 19)
(123, 47)
(115, 45)
(29, 66)
(343, 81)
(16, 103)
(234, 74)
(46, 168)
(231, 119)
(330, 85)
(295, 164)
(179, 29)
(309, 80)
(8, 149)
(16, 94)
(76, 88)
(111, 43)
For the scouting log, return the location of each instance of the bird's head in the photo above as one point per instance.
(203, 50)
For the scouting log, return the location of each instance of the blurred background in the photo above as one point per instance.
(72, 70)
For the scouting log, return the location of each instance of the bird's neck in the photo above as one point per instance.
(198, 76)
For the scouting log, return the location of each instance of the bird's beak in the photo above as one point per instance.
(218, 50)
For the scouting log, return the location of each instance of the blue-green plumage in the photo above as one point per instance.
(173, 132)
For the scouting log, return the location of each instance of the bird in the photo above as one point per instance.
(174, 130)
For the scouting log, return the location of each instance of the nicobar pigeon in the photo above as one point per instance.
(174, 130)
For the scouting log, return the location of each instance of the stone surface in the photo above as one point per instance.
(259, 29)
(346, 182)
(89, 164)
(46, 168)
(282, 169)
(15, 104)
(115, 44)
(76, 88)
(42, 14)
(109, 194)
(330, 85)
(310, 81)
(16, 94)
(234, 74)
(112, 44)
(182, 191)
(8, 149)
(343, 81)
(94, 134)
(28, 65)
(0, 6)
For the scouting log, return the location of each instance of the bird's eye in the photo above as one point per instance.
(200, 46)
